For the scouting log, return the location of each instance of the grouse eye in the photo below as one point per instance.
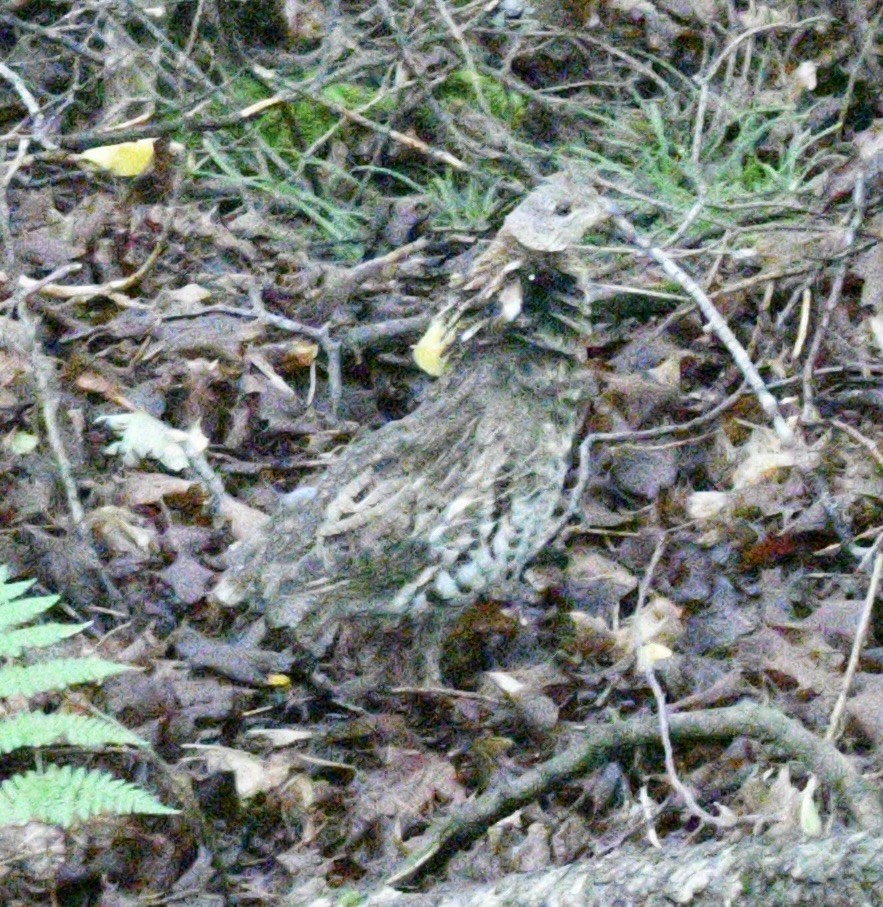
(562, 209)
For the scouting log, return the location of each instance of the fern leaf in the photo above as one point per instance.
(65, 796)
(35, 729)
(54, 674)
(57, 796)
(8, 591)
(14, 642)
(15, 611)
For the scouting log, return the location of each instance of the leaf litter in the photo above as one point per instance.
(278, 315)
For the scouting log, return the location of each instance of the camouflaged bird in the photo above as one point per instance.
(448, 505)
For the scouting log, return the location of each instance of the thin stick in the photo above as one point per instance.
(674, 780)
(861, 634)
(47, 395)
(713, 317)
(30, 102)
(322, 336)
(833, 300)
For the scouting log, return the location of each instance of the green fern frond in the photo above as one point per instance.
(65, 796)
(14, 642)
(55, 674)
(56, 795)
(34, 729)
(15, 610)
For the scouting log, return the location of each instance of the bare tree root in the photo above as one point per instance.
(833, 769)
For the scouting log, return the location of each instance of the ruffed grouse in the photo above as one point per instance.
(449, 504)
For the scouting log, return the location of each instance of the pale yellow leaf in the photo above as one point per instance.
(429, 353)
(704, 505)
(251, 774)
(123, 159)
(144, 437)
(189, 295)
(810, 820)
(21, 443)
(805, 75)
(650, 653)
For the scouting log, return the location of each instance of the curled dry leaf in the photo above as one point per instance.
(149, 487)
(762, 455)
(252, 774)
(596, 581)
(301, 353)
(93, 383)
(537, 709)
(245, 522)
(592, 636)
(122, 531)
(144, 437)
(706, 505)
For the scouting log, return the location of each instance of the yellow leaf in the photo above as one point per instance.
(650, 653)
(810, 820)
(429, 353)
(142, 436)
(21, 443)
(278, 680)
(124, 159)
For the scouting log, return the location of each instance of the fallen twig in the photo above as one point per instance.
(794, 741)
(712, 316)
(861, 634)
(858, 202)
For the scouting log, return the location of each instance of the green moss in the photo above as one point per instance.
(293, 128)
(506, 106)
(313, 119)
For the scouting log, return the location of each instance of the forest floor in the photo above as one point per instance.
(195, 325)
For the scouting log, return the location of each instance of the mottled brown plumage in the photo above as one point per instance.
(427, 514)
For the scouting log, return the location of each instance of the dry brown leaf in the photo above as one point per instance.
(252, 774)
(301, 353)
(592, 636)
(409, 785)
(94, 383)
(810, 664)
(149, 487)
(245, 522)
(122, 531)
(188, 579)
(865, 706)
